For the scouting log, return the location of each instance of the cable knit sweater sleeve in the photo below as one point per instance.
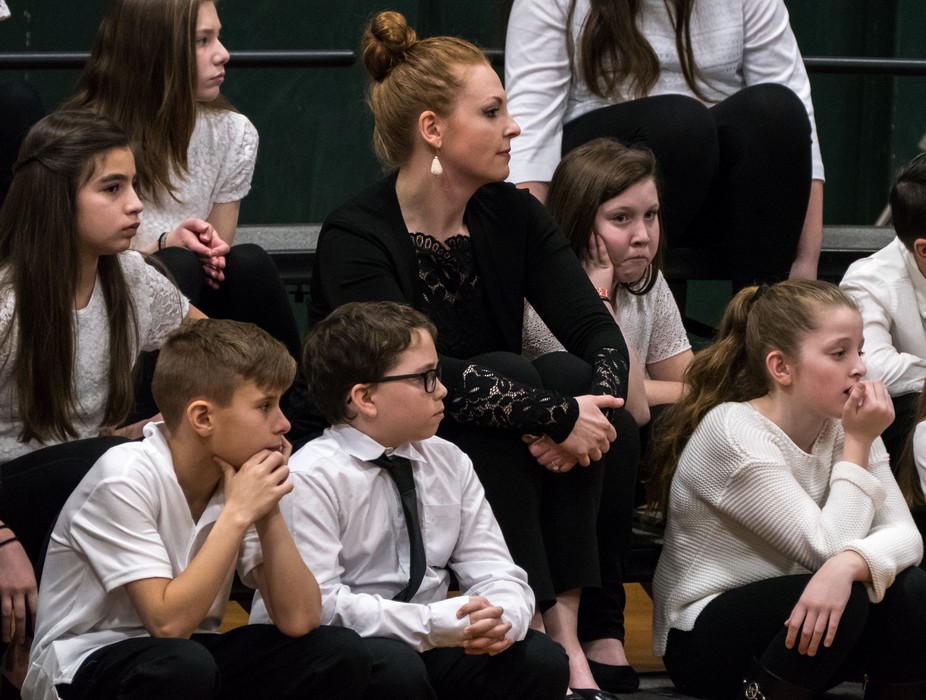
(747, 504)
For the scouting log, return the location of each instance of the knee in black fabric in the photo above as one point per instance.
(769, 115)
(510, 365)
(399, 672)
(565, 373)
(250, 260)
(163, 668)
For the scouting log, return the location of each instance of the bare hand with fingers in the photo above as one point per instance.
(487, 629)
(258, 485)
(549, 454)
(815, 618)
(202, 239)
(593, 433)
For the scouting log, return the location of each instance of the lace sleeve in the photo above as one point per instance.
(489, 399)
(611, 369)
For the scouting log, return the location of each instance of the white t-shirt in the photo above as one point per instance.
(127, 520)
(4, 11)
(736, 43)
(220, 162)
(346, 518)
(159, 308)
(890, 291)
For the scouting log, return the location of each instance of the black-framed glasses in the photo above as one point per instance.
(428, 378)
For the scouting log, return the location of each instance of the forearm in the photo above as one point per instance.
(637, 392)
(811, 240)
(288, 588)
(662, 392)
(485, 398)
(176, 607)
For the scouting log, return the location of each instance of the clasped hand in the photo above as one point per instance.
(589, 440)
(258, 484)
(202, 239)
(487, 629)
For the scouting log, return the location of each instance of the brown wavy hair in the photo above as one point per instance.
(39, 260)
(756, 322)
(613, 50)
(410, 76)
(142, 75)
(590, 175)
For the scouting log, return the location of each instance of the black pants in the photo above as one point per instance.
(736, 176)
(252, 290)
(887, 640)
(20, 108)
(254, 661)
(548, 519)
(536, 668)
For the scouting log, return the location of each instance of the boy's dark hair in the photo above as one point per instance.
(908, 201)
(210, 359)
(354, 344)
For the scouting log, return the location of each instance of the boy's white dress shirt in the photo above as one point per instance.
(346, 518)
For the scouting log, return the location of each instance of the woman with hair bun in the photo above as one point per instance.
(443, 233)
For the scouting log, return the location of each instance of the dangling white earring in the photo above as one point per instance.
(436, 169)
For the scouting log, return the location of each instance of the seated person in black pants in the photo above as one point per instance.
(139, 565)
(374, 372)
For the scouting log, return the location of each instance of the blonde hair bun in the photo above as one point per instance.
(385, 42)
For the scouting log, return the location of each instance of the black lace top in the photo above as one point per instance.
(454, 298)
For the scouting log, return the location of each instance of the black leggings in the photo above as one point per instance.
(550, 521)
(252, 290)
(736, 176)
(885, 640)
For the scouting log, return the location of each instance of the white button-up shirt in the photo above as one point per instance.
(346, 518)
(891, 293)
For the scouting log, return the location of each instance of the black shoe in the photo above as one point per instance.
(617, 679)
(591, 694)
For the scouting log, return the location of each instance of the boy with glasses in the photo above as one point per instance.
(382, 512)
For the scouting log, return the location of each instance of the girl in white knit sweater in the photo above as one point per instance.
(790, 554)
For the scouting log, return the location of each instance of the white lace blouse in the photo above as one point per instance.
(651, 324)
(159, 308)
(220, 161)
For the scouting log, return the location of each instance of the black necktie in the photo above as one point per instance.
(401, 471)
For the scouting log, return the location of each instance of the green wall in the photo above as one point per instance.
(315, 129)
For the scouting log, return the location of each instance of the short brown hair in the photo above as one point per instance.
(354, 344)
(410, 76)
(210, 359)
(908, 201)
